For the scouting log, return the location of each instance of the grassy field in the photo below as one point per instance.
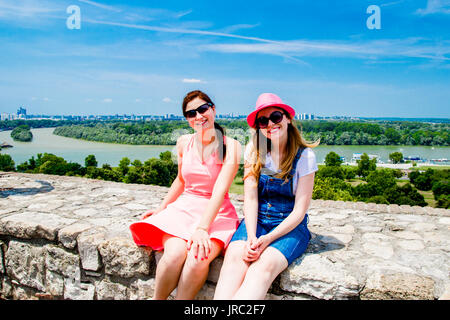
(237, 186)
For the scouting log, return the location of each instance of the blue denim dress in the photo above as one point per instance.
(276, 200)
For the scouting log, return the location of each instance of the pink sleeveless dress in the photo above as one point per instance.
(181, 217)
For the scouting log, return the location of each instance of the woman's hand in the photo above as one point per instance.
(151, 212)
(200, 244)
(256, 246)
(250, 251)
(263, 242)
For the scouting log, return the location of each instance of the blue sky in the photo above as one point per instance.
(142, 57)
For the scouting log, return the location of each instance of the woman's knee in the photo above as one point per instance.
(235, 252)
(174, 255)
(268, 267)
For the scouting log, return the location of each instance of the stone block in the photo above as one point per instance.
(26, 264)
(68, 235)
(383, 285)
(54, 284)
(76, 290)
(107, 290)
(123, 258)
(62, 262)
(3, 249)
(88, 243)
(317, 276)
(141, 289)
(214, 269)
(29, 225)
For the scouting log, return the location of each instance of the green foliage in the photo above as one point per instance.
(331, 172)
(332, 159)
(441, 192)
(6, 163)
(435, 180)
(136, 133)
(396, 157)
(153, 171)
(378, 199)
(90, 161)
(443, 201)
(405, 194)
(441, 187)
(330, 132)
(22, 133)
(365, 165)
(331, 189)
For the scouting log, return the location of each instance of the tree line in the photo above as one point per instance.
(378, 185)
(158, 171)
(159, 132)
(331, 182)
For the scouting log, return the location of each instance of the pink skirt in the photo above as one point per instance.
(180, 219)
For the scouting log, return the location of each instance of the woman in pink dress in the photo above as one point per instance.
(196, 219)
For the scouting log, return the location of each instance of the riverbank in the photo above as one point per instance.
(404, 166)
(111, 153)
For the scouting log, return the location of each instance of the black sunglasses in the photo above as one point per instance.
(275, 117)
(202, 109)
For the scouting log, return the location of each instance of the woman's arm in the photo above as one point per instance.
(221, 187)
(303, 197)
(250, 213)
(177, 187)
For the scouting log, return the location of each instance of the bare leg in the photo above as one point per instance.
(194, 273)
(169, 267)
(261, 274)
(233, 271)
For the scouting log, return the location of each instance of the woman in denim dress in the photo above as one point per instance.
(278, 183)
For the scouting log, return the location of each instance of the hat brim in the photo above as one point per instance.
(251, 118)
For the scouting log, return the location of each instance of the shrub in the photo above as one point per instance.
(6, 163)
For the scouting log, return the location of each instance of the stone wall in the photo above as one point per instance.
(68, 238)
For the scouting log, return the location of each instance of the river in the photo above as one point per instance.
(75, 150)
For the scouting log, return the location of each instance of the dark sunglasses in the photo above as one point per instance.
(275, 117)
(202, 109)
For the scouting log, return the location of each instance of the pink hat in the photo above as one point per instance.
(266, 100)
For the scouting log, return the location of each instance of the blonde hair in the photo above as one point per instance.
(261, 145)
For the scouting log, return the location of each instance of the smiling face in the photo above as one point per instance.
(273, 131)
(201, 122)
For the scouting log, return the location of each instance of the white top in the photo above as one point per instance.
(306, 164)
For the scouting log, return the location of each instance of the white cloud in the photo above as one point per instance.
(26, 9)
(435, 6)
(167, 100)
(100, 5)
(182, 14)
(192, 80)
(375, 49)
(137, 100)
(107, 100)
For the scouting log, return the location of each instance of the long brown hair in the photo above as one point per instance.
(200, 94)
(262, 145)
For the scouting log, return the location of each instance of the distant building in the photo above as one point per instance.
(304, 116)
(21, 113)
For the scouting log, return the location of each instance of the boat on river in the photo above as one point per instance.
(357, 156)
(5, 145)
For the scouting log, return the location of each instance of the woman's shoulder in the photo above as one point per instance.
(308, 153)
(183, 140)
(233, 146)
(231, 141)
